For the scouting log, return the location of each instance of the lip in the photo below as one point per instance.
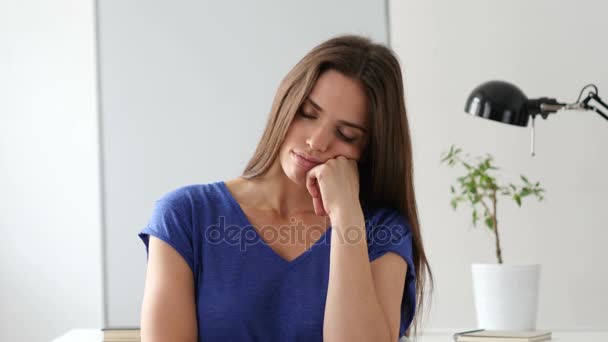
(304, 162)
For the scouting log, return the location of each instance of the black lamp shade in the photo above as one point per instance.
(499, 101)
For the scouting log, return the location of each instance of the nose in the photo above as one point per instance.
(319, 139)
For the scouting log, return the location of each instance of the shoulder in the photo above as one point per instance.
(192, 202)
(191, 195)
(386, 217)
(388, 229)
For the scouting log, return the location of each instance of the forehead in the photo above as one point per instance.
(341, 97)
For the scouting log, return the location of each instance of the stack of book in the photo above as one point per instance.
(127, 334)
(502, 336)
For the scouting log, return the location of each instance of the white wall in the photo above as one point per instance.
(186, 88)
(50, 260)
(176, 79)
(547, 48)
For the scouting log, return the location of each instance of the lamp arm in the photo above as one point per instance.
(545, 106)
(602, 109)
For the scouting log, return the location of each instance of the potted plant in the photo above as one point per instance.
(506, 296)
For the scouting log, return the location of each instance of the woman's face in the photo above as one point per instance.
(331, 122)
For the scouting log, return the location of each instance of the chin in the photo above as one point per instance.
(293, 172)
(296, 176)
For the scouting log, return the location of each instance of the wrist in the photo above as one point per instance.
(349, 215)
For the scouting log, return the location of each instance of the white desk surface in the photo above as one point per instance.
(95, 335)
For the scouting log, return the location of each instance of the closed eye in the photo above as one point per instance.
(345, 138)
(338, 132)
(307, 116)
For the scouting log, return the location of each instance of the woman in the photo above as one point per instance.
(319, 237)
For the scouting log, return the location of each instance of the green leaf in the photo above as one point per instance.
(489, 223)
(475, 217)
(524, 178)
(517, 199)
(452, 189)
(472, 188)
(487, 180)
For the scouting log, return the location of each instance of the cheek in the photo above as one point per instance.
(361, 149)
(290, 138)
(349, 151)
(289, 143)
(296, 136)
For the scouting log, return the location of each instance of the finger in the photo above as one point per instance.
(319, 207)
(313, 188)
(312, 184)
(316, 204)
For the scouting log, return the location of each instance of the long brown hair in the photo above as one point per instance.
(386, 176)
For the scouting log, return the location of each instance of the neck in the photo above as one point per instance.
(278, 194)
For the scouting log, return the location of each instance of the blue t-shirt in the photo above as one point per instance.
(244, 290)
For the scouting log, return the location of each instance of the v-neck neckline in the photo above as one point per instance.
(235, 204)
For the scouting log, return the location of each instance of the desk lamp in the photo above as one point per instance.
(504, 102)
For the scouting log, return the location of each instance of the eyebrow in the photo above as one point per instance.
(346, 123)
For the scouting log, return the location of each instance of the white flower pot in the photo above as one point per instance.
(506, 296)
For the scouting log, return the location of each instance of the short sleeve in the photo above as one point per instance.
(389, 231)
(171, 223)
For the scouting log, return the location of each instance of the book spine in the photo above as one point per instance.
(458, 334)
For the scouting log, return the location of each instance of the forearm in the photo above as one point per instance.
(352, 310)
